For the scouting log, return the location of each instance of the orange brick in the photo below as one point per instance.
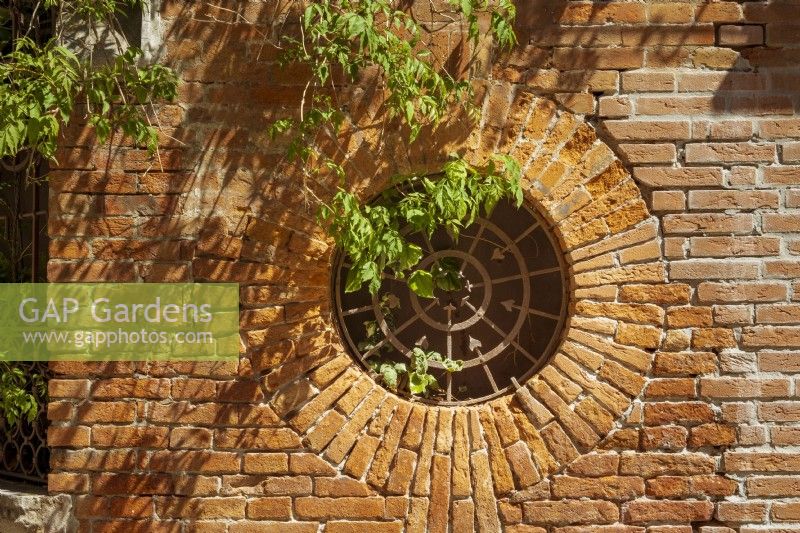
(650, 511)
(672, 388)
(738, 35)
(323, 508)
(680, 413)
(640, 130)
(568, 512)
(686, 317)
(665, 437)
(684, 363)
(712, 435)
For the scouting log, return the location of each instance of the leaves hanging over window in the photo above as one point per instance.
(374, 236)
(341, 39)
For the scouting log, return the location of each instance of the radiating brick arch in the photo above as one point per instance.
(481, 453)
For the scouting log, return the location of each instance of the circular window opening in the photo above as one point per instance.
(503, 318)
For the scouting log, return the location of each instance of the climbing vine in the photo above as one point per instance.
(42, 80)
(343, 39)
(351, 36)
(376, 237)
(340, 40)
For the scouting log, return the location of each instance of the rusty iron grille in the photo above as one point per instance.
(25, 455)
(504, 322)
(24, 251)
(23, 224)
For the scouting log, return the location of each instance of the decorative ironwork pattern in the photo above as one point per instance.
(23, 258)
(504, 321)
(24, 454)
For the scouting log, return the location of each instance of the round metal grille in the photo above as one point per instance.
(504, 322)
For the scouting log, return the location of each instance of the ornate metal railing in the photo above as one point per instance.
(24, 249)
(24, 454)
(23, 258)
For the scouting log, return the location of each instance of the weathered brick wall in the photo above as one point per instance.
(672, 405)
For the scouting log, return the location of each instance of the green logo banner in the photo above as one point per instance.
(119, 321)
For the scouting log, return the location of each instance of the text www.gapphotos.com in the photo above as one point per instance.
(98, 338)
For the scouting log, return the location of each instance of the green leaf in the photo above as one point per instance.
(421, 282)
(466, 7)
(452, 365)
(419, 360)
(389, 375)
(421, 384)
(410, 255)
(280, 126)
(446, 274)
(353, 281)
(389, 372)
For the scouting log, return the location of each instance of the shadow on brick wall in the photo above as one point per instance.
(605, 60)
(211, 206)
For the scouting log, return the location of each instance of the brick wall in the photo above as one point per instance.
(660, 141)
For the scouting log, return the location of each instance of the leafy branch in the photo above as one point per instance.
(376, 237)
(415, 375)
(21, 393)
(341, 39)
(41, 84)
